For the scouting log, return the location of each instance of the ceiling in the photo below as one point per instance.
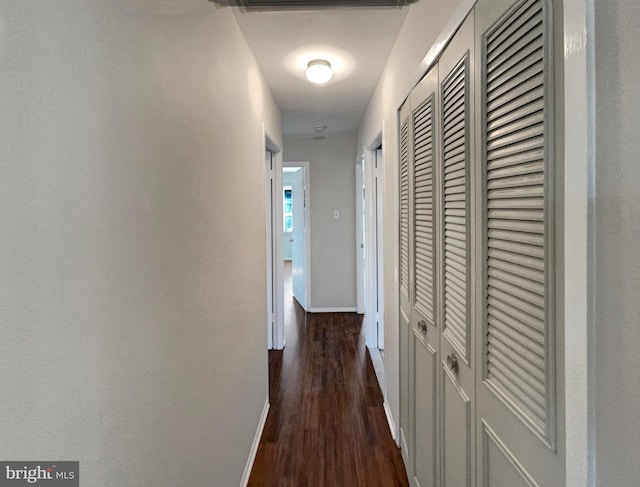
(356, 42)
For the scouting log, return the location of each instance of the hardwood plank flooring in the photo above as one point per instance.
(326, 424)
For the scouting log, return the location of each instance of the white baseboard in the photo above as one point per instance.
(333, 310)
(254, 447)
(405, 450)
(392, 425)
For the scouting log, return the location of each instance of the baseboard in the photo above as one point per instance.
(404, 449)
(254, 448)
(392, 425)
(333, 310)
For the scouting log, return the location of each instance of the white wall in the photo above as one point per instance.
(132, 229)
(617, 244)
(333, 247)
(421, 33)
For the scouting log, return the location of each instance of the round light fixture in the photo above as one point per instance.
(319, 71)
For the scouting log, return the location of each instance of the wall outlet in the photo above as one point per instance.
(336, 214)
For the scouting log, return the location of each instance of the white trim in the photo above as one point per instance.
(371, 286)
(392, 425)
(278, 332)
(405, 452)
(269, 183)
(333, 310)
(254, 447)
(374, 245)
(360, 260)
(579, 163)
(378, 365)
(273, 250)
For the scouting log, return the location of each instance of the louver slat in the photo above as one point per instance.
(515, 165)
(404, 209)
(423, 207)
(455, 150)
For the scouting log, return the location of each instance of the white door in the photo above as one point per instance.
(299, 235)
(422, 339)
(456, 274)
(519, 410)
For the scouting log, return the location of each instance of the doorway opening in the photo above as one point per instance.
(295, 245)
(273, 180)
(369, 181)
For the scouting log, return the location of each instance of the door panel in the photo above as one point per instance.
(457, 432)
(454, 179)
(406, 405)
(425, 412)
(426, 337)
(406, 363)
(502, 467)
(299, 234)
(517, 396)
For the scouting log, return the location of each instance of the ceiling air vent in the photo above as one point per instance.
(256, 5)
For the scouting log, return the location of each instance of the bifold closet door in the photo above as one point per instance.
(404, 231)
(424, 335)
(456, 274)
(519, 410)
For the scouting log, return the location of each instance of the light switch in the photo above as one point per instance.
(336, 214)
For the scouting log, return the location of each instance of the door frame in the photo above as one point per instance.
(360, 240)
(273, 245)
(374, 250)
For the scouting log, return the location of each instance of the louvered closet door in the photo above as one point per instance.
(406, 421)
(424, 335)
(517, 409)
(456, 367)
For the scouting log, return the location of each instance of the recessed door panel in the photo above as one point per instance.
(405, 393)
(456, 435)
(425, 412)
(501, 467)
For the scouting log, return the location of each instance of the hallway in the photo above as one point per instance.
(141, 142)
(326, 424)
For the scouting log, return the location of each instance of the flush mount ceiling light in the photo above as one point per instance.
(319, 71)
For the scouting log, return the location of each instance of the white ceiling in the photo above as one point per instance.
(356, 42)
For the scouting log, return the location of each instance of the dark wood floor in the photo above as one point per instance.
(326, 425)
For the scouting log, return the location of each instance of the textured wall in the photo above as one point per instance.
(132, 296)
(617, 246)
